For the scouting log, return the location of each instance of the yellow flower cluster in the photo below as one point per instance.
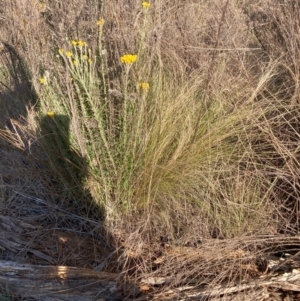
(128, 59)
(100, 22)
(50, 114)
(78, 43)
(42, 80)
(81, 43)
(144, 86)
(146, 4)
(75, 43)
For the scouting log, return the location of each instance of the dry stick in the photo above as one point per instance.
(211, 68)
(57, 282)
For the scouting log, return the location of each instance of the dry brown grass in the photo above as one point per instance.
(245, 52)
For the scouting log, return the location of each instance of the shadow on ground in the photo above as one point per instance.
(40, 225)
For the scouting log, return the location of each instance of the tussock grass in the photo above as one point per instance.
(155, 153)
(173, 151)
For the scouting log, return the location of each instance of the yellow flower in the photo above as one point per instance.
(42, 80)
(146, 4)
(69, 53)
(90, 61)
(81, 43)
(50, 114)
(74, 43)
(85, 57)
(128, 59)
(100, 22)
(75, 62)
(144, 86)
(61, 51)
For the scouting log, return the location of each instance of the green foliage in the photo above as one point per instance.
(162, 148)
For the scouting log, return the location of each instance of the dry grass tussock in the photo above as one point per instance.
(180, 162)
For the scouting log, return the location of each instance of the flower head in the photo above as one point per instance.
(69, 53)
(100, 22)
(128, 59)
(74, 43)
(146, 4)
(144, 86)
(85, 57)
(42, 80)
(75, 62)
(60, 51)
(50, 114)
(81, 43)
